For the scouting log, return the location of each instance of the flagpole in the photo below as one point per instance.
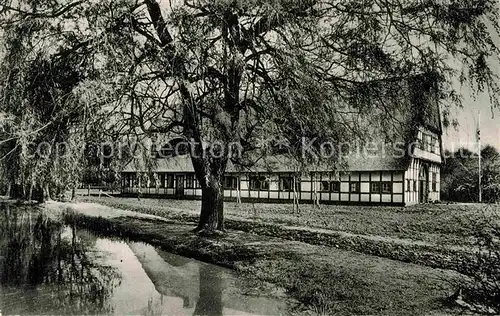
(479, 152)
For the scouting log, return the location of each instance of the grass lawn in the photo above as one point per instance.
(434, 223)
(323, 280)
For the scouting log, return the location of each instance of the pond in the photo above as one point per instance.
(47, 267)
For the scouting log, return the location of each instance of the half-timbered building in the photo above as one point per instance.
(404, 170)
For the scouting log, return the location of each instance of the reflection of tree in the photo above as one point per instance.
(53, 263)
(178, 261)
(210, 301)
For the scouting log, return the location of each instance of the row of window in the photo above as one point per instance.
(161, 181)
(261, 183)
(354, 186)
(286, 184)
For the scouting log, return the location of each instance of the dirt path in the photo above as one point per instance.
(98, 210)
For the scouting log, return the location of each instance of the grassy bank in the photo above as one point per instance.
(322, 279)
(434, 223)
(458, 256)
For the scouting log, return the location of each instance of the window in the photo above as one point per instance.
(434, 181)
(354, 187)
(230, 182)
(420, 141)
(408, 184)
(325, 186)
(335, 186)
(258, 183)
(130, 178)
(386, 187)
(189, 181)
(330, 186)
(375, 187)
(153, 178)
(162, 180)
(126, 179)
(414, 185)
(427, 142)
(424, 142)
(170, 181)
(286, 184)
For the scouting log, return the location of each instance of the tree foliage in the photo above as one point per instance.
(227, 73)
(481, 290)
(45, 107)
(460, 175)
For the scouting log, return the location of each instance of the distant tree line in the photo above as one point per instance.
(460, 175)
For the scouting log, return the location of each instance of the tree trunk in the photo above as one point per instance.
(238, 192)
(30, 193)
(9, 187)
(316, 195)
(212, 208)
(40, 194)
(46, 192)
(295, 204)
(17, 191)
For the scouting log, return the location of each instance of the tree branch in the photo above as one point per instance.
(53, 14)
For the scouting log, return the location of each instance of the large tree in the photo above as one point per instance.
(41, 113)
(224, 73)
(46, 76)
(460, 175)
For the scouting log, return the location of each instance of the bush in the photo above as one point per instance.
(481, 291)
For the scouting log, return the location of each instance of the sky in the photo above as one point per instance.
(468, 116)
(465, 134)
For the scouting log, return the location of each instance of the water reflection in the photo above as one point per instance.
(189, 287)
(210, 302)
(46, 267)
(49, 268)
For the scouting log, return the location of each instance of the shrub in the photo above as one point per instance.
(481, 291)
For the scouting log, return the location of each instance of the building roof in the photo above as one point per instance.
(173, 164)
(182, 164)
(392, 129)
